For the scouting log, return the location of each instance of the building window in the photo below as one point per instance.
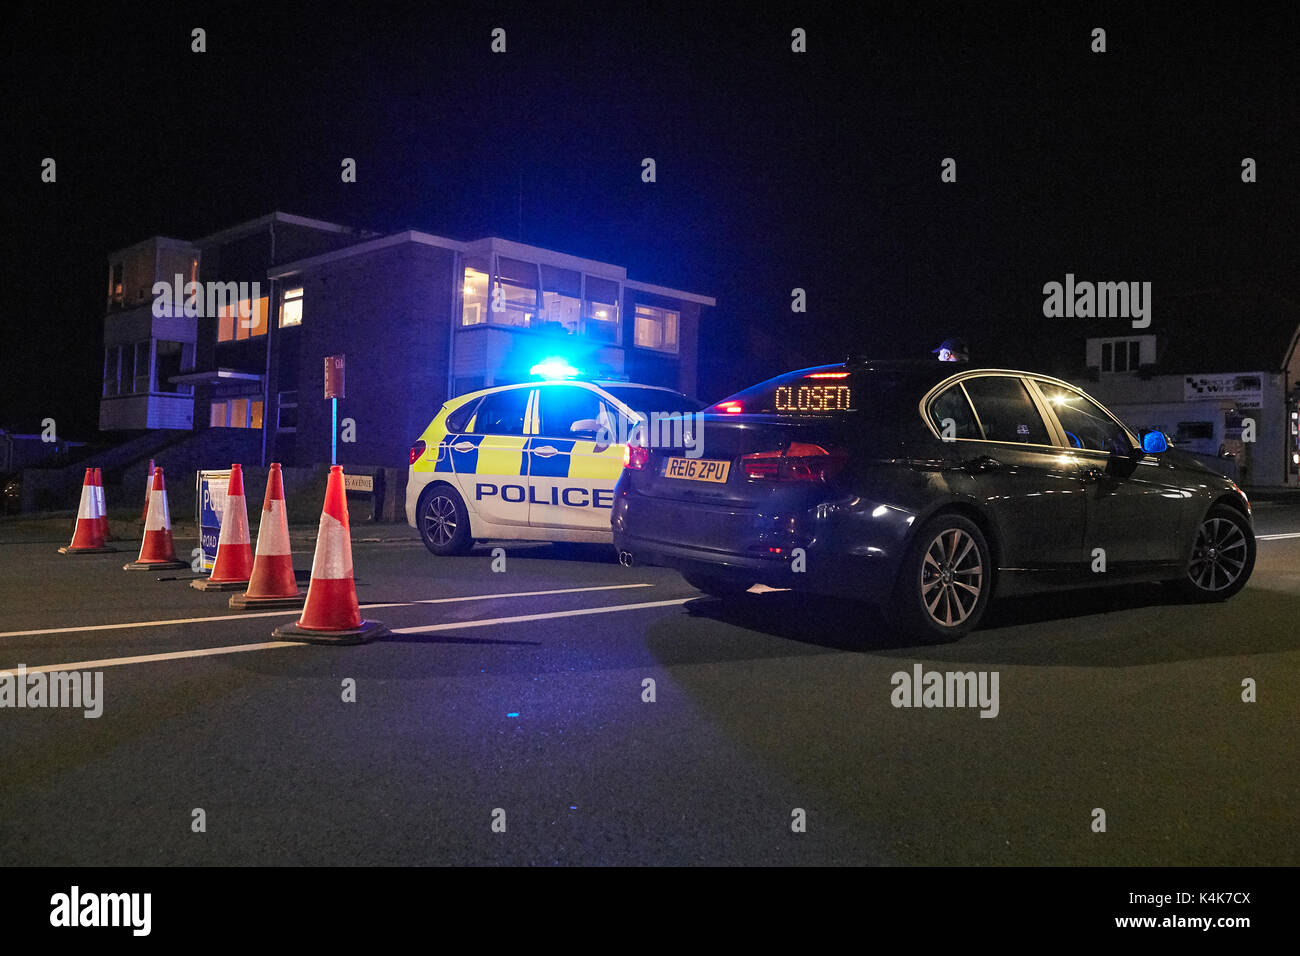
(217, 419)
(168, 362)
(474, 293)
(1121, 355)
(600, 309)
(242, 320)
(255, 414)
(656, 328)
(286, 412)
(115, 284)
(239, 413)
(141, 384)
(517, 287)
(562, 298)
(112, 360)
(291, 308)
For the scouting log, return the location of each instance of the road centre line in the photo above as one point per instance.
(289, 611)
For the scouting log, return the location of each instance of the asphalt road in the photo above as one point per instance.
(491, 696)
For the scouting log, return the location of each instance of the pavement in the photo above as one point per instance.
(509, 719)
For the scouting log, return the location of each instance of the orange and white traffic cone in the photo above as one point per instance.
(272, 583)
(88, 536)
(233, 565)
(100, 505)
(157, 550)
(148, 487)
(331, 614)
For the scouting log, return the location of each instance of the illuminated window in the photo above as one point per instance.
(226, 323)
(600, 309)
(291, 308)
(255, 415)
(474, 293)
(517, 282)
(218, 417)
(115, 284)
(656, 328)
(252, 318)
(239, 413)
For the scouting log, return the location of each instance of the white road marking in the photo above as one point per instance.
(170, 656)
(288, 612)
(603, 587)
(1277, 537)
(545, 616)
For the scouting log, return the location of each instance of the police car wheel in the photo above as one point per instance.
(944, 581)
(443, 521)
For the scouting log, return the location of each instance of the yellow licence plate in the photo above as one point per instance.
(697, 469)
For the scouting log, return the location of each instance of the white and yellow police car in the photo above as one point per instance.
(535, 461)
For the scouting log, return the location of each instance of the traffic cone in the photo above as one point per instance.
(157, 550)
(233, 565)
(272, 583)
(100, 504)
(331, 614)
(148, 487)
(88, 535)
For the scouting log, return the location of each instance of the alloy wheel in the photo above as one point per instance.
(952, 577)
(1219, 555)
(440, 520)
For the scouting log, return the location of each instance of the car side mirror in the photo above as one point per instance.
(1154, 442)
(585, 425)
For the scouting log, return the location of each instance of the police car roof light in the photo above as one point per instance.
(554, 368)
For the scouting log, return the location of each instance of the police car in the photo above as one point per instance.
(535, 461)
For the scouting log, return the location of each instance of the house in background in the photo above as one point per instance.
(1217, 362)
(418, 318)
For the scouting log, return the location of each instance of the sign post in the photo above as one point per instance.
(334, 390)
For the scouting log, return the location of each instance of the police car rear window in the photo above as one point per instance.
(459, 420)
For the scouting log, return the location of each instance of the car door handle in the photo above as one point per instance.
(982, 463)
(463, 446)
(546, 451)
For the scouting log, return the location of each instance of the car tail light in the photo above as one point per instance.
(730, 408)
(635, 457)
(416, 451)
(801, 461)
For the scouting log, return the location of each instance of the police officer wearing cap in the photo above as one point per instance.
(952, 350)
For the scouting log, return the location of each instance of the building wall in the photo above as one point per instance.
(388, 313)
(1157, 402)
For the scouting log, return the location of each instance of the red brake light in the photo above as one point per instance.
(416, 451)
(801, 461)
(730, 408)
(828, 375)
(635, 457)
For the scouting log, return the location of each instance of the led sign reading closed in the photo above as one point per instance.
(813, 398)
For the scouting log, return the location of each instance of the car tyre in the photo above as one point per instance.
(1222, 558)
(443, 521)
(944, 582)
(724, 589)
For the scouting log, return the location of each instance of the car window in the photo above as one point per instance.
(951, 407)
(459, 420)
(563, 405)
(1087, 425)
(1006, 410)
(502, 413)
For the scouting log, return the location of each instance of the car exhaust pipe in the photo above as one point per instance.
(626, 559)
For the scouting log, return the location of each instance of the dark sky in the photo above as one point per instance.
(775, 170)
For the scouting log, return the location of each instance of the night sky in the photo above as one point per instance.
(776, 170)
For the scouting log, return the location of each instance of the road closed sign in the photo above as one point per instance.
(211, 498)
